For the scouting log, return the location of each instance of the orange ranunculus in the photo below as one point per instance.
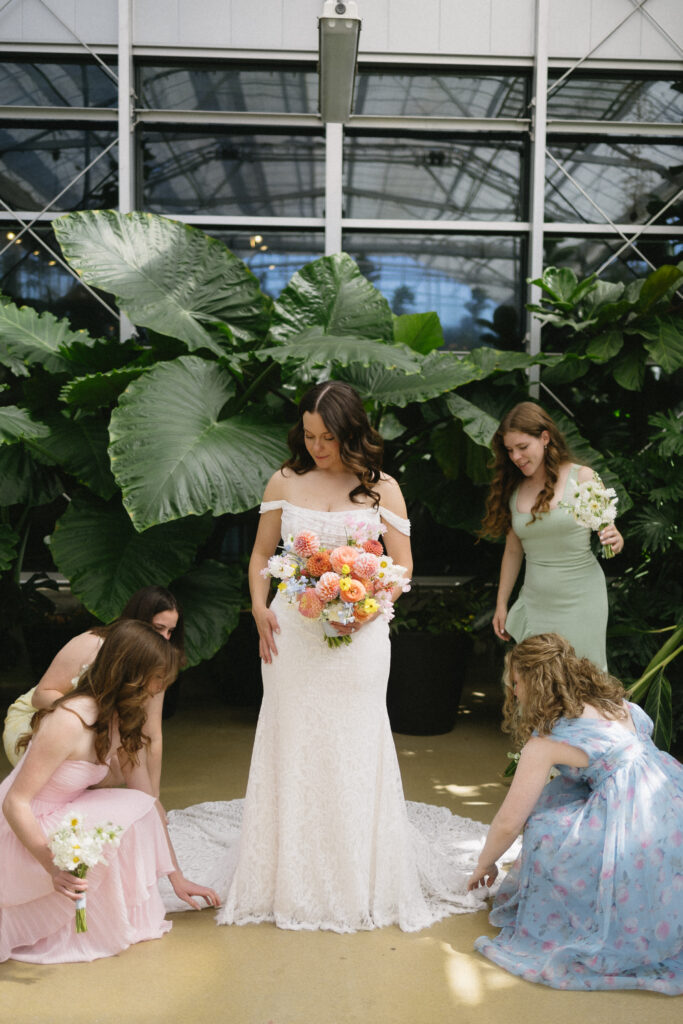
(318, 564)
(353, 591)
(310, 604)
(343, 556)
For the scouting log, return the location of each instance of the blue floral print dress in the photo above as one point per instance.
(595, 899)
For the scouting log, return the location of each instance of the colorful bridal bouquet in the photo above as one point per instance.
(341, 585)
(75, 848)
(595, 506)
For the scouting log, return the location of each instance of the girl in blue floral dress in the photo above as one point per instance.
(595, 899)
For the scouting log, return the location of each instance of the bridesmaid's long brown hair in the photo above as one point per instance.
(132, 653)
(527, 418)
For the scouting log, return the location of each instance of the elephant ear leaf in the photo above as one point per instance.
(98, 549)
(172, 454)
(332, 295)
(210, 595)
(28, 338)
(167, 276)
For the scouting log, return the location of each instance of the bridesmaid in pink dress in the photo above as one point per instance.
(67, 759)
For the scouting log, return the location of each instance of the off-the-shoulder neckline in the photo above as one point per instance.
(327, 511)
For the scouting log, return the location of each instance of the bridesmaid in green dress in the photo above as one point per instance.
(564, 587)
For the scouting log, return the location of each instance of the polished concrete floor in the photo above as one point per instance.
(261, 975)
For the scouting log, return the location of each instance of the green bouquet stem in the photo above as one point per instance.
(81, 923)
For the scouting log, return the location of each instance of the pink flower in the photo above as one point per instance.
(310, 604)
(662, 930)
(327, 587)
(306, 544)
(351, 591)
(548, 945)
(365, 565)
(677, 838)
(344, 555)
(631, 925)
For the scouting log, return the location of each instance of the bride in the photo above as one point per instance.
(324, 838)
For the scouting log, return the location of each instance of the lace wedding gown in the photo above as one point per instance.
(324, 838)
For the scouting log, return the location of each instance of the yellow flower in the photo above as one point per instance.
(346, 569)
(344, 583)
(282, 585)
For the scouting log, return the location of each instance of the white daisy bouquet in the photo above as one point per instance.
(338, 586)
(595, 506)
(76, 848)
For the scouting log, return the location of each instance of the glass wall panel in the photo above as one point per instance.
(606, 98)
(281, 88)
(233, 172)
(51, 84)
(433, 178)
(440, 93)
(273, 256)
(38, 162)
(473, 282)
(586, 255)
(30, 275)
(629, 180)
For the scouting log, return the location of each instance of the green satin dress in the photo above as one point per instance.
(564, 587)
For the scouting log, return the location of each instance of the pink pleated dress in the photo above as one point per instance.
(37, 924)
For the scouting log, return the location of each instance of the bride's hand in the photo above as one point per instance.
(267, 625)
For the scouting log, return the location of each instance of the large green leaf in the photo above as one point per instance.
(210, 596)
(97, 548)
(493, 360)
(658, 707)
(666, 348)
(420, 331)
(315, 349)
(605, 346)
(99, 389)
(657, 285)
(165, 275)
(16, 425)
(171, 454)
(8, 546)
(23, 481)
(477, 424)
(36, 338)
(629, 370)
(332, 295)
(79, 447)
(439, 372)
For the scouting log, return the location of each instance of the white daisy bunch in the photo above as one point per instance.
(76, 848)
(594, 506)
(282, 567)
(390, 574)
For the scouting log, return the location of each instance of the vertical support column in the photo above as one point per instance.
(125, 108)
(539, 106)
(333, 187)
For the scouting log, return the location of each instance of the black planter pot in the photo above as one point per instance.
(426, 680)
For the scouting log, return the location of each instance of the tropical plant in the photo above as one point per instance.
(621, 377)
(146, 447)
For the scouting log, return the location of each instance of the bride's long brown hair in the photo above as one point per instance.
(360, 445)
(527, 418)
(132, 653)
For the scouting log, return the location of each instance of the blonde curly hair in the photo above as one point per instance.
(557, 685)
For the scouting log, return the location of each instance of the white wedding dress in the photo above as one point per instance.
(325, 838)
